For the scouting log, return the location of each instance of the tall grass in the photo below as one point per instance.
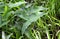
(30, 19)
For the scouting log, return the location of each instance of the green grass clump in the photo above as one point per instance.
(29, 19)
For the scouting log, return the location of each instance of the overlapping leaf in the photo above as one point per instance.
(30, 14)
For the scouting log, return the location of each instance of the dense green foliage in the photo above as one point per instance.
(30, 19)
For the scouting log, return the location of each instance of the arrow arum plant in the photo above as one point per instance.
(29, 19)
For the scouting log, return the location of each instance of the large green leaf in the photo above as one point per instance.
(33, 18)
(31, 14)
(26, 14)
